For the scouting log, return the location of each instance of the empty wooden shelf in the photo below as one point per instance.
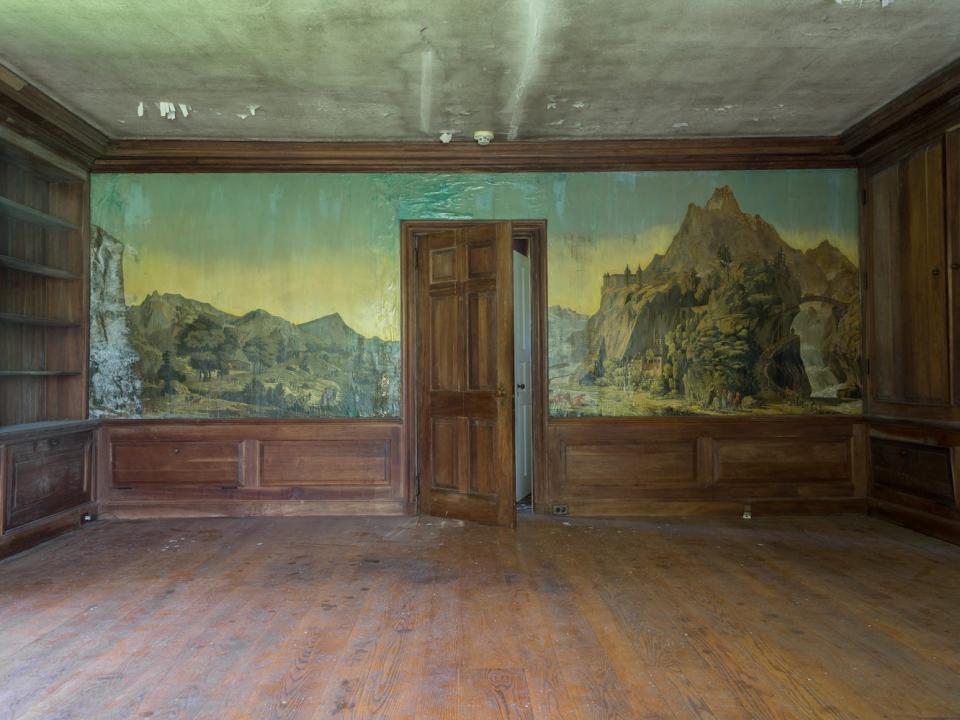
(16, 210)
(37, 320)
(35, 268)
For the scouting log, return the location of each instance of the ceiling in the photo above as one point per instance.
(525, 69)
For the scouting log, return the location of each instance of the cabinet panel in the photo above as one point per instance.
(176, 463)
(45, 477)
(336, 463)
(909, 332)
(918, 470)
(923, 257)
(952, 214)
(883, 189)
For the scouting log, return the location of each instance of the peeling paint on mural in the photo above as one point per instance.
(278, 295)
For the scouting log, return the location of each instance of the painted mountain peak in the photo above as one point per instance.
(730, 317)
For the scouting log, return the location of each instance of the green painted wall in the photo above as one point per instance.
(306, 247)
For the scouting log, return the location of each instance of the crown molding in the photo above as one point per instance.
(518, 156)
(32, 114)
(930, 107)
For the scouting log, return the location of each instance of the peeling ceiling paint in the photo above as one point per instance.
(527, 69)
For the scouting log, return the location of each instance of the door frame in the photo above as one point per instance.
(535, 234)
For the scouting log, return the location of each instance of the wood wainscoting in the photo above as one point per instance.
(251, 467)
(705, 465)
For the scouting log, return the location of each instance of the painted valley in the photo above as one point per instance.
(731, 318)
(174, 356)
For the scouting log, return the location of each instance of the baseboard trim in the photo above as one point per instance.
(144, 509)
(705, 508)
(28, 536)
(942, 528)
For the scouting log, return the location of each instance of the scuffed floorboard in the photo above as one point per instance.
(839, 617)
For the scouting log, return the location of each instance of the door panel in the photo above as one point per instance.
(483, 449)
(465, 373)
(481, 340)
(445, 358)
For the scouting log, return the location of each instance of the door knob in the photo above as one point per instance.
(521, 386)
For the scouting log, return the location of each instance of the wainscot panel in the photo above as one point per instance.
(915, 471)
(251, 467)
(682, 466)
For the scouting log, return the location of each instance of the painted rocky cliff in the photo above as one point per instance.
(114, 386)
(729, 317)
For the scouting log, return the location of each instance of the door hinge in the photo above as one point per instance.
(416, 255)
(866, 365)
(863, 196)
(866, 281)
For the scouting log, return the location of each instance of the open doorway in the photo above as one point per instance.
(522, 375)
(473, 293)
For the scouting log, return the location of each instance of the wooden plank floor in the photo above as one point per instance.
(840, 617)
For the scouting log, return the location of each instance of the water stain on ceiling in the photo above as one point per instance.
(526, 69)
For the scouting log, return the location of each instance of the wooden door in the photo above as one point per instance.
(522, 375)
(465, 372)
(907, 282)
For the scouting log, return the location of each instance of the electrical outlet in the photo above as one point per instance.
(561, 510)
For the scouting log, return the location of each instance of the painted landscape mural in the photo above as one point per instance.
(730, 318)
(277, 295)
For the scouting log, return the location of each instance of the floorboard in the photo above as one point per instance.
(842, 617)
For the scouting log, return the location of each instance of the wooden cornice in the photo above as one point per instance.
(33, 114)
(522, 156)
(928, 108)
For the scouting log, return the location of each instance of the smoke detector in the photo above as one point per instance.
(483, 137)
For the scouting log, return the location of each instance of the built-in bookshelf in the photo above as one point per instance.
(43, 288)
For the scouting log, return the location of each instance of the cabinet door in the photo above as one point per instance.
(952, 214)
(46, 476)
(909, 341)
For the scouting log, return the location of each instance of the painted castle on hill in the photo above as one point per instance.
(731, 318)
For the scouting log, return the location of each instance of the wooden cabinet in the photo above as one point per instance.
(46, 481)
(46, 447)
(43, 288)
(910, 280)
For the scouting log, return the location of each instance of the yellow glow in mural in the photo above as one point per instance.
(229, 295)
